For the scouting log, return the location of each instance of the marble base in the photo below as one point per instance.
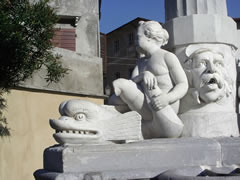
(137, 160)
(210, 124)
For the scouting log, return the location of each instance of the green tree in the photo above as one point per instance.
(26, 30)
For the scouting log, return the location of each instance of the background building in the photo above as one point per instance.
(31, 105)
(121, 52)
(121, 55)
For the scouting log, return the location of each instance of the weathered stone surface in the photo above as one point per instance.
(84, 122)
(85, 75)
(45, 175)
(230, 151)
(210, 124)
(87, 35)
(177, 8)
(208, 109)
(138, 160)
(143, 157)
(201, 173)
(208, 37)
(75, 7)
(201, 28)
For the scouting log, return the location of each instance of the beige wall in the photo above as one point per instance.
(28, 114)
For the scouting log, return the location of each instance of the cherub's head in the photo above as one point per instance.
(150, 32)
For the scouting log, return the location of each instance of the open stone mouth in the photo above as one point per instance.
(82, 132)
(212, 81)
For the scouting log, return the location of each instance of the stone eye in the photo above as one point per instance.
(80, 117)
(218, 63)
(203, 63)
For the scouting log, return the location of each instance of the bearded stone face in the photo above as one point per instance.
(208, 75)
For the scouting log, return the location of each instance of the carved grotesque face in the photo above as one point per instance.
(208, 75)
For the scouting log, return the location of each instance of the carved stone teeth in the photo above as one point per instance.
(77, 132)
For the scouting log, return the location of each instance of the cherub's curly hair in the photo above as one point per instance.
(154, 30)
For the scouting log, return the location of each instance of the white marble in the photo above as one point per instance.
(158, 82)
(209, 108)
(207, 74)
(177, 8)
(205, 40)
(84, 122)
(201, 28)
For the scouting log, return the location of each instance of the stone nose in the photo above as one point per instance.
(211, 68)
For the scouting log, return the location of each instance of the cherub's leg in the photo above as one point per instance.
(116, 100)
(166, 123)
(133, 96)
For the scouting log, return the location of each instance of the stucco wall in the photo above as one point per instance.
(85, 75)
(28, 114)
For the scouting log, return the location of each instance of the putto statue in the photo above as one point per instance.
(162, 90)
(158, 83)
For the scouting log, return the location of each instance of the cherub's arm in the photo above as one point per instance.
(178, 76)
(147, 77)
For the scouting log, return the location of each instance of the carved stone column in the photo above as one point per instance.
(205, 40)
(177, 8)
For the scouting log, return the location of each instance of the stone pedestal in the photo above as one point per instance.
(178, 8)
(137, 160)
(201, 28)
(197, 26)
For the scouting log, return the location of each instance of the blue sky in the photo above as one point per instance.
(118, 12)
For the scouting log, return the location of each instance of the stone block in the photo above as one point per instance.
(210, 124)
(177, 8)
(144, 158)
(230, 151)
(201, 28)
(201, 173)
(139, 160)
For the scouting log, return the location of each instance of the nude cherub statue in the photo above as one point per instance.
(158, 83)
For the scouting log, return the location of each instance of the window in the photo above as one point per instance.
(116, 46)
(117, 75)
(65, 38)
(130, 72)
(130, 39)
